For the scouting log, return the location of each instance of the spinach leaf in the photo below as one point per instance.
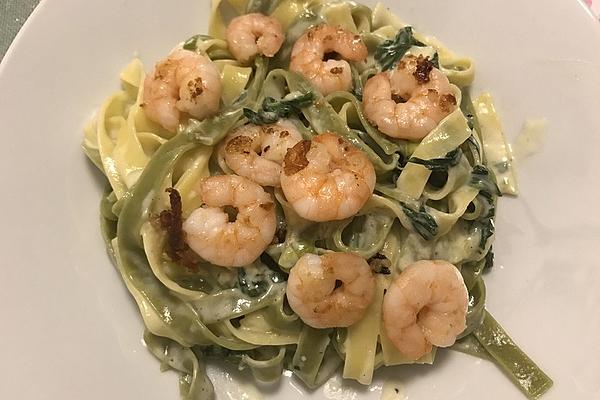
(474, 148)
(380, 264)
(255, 280)
(251, 287)
(421, 221)
(275, 274)
(487, 228)
(489, 259)
(272, 110)
(391, 51)
(439, 164)
(470, 120)
(190, 44)
(484, 180)
(402, 161)
(435, 60)
(491, 205)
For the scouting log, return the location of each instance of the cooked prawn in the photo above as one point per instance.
(313, 295)
(311, 48)
(257, 152)
(184, 82)
(211, 234)
(327, 178)
(426, 305)
(252, 34)
(410, 101)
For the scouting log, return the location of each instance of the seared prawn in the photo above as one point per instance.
(184, 82)
(409, 101)
(426, 305)
(313, 294)
(327, 178)
(252, 34)
(311, 48)
(231, 241)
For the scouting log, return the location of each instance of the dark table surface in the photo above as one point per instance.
(13, 14)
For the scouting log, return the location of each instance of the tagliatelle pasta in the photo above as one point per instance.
(433, 198)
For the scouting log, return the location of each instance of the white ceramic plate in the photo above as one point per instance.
(69, 329)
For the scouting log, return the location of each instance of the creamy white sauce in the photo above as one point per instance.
(248, 392)
(334, 389)
(338, 389)
(234, 387)
(393, 390)
(531, 139)
(458, 245)
(425, 51)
